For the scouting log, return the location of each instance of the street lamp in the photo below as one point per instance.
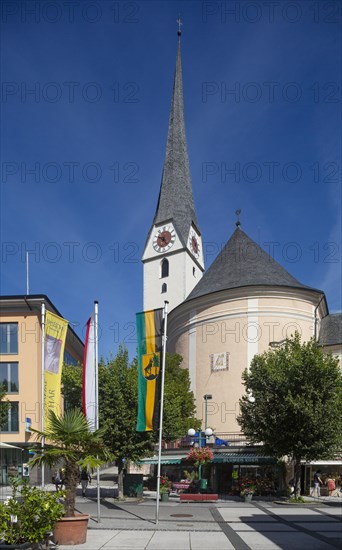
(206, 397)
(192, 433)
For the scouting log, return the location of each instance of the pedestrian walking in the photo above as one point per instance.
(331, 485)
(85, 479)
(317, 483)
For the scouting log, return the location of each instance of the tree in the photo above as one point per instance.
(296, 405)
(69, 439)
(72, 386)
(179, 401)
(4, 406)
(118, 401)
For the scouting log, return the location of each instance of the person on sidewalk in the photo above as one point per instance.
(331, 485)
(317, 483)
(85, 479)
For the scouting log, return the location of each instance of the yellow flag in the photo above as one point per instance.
(55, 336)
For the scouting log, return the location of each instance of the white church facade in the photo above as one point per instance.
(243, 304)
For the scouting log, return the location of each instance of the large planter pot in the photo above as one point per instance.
(165, 497)
(203, 484)
(71, 530)
(248, 498)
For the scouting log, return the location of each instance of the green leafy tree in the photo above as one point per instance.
(72, 386)
(4, 406)
(296, 404)
(118, 401)
(118, 396)
(69, 440)
(179, 402)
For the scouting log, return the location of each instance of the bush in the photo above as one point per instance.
(29, 514)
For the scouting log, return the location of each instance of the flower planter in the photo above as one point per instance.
(165, 497)
(248, 498)
(71, 530)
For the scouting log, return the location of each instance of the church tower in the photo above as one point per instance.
(173, 255)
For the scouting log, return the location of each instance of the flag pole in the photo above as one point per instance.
(96, 320)
(27, 275)
(42, 382)
(161, 410)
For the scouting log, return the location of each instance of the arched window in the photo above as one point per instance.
(164, 288)
(164, 268)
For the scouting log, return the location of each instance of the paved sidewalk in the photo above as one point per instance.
(202, 526)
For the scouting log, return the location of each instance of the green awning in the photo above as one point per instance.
(219, 458)
(165, 459)
(242, 458)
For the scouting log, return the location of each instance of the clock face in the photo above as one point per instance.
(164, 238)
(194, 244)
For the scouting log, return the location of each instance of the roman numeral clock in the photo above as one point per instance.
(164, 238)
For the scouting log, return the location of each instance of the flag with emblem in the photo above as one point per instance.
(149, 333)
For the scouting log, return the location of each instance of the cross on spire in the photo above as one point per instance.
(238, 223)
(179, 21)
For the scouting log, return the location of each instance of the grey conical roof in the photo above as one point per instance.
(175, 200)
(241, 263)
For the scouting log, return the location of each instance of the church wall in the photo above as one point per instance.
(219, 340)
(180, 281)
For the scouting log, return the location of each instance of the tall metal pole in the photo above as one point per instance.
(42, 383)
(96, 320)
(161, 410)
(27, 275)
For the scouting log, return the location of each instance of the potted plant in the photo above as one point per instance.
(28, 515)
(247, 490)
(199, 456)
(165, 488)
(70, 442)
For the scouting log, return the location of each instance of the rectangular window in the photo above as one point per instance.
(9, 377)
(8, 338)
(12, 424)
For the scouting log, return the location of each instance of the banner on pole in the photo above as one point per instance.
(89, 375)
(55, 336)
(149, 333)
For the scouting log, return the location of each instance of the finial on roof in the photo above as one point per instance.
(238, 223)
(179, 26)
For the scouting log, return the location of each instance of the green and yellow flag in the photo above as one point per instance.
(55, 336)
(149, 332)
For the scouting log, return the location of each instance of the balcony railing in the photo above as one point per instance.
(217, 440)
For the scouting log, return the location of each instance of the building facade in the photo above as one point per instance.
(21, 374)
(243, 304)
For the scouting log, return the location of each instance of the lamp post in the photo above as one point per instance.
(206, 397)
(208, 432)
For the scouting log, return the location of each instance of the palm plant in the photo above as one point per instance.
(69, 440)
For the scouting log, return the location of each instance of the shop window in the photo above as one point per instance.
(9, 377)
(8, 338)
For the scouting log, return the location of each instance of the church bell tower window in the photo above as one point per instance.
(164, 268)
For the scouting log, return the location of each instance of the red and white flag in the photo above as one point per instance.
(89, 375)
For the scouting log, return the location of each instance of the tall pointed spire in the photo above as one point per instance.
(175, 197)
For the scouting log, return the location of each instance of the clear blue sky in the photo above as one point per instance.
(85, 102)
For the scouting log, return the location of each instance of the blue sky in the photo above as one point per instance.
(86, 90)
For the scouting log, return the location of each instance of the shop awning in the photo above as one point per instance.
(8, 446)
(242, 458)
(219, 458)
(165, 459)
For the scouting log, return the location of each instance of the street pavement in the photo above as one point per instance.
(226, 524)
